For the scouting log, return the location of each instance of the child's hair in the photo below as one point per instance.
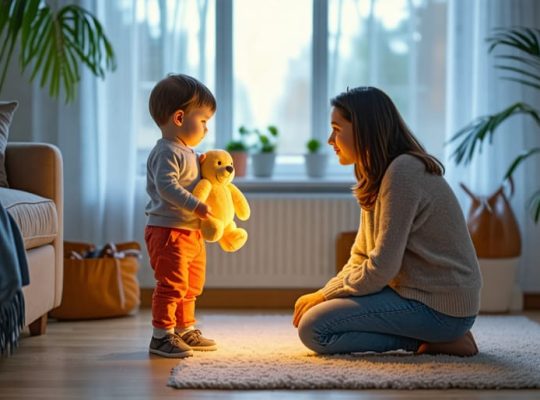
(380, 135)
(178, 92)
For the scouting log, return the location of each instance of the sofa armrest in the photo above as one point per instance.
(37, 168)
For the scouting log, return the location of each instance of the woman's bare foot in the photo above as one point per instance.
(465, 346)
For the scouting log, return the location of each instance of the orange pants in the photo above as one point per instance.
(178, 258)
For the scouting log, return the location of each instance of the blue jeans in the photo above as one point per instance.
(377, 322)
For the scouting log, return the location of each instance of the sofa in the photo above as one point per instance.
(34, 199)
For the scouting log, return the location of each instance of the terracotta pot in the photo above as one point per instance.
(492, 225)
(497, 241)
(239, 162)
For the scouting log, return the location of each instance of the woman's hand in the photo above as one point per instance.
(304, 303)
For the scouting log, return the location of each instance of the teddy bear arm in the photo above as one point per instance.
(241, 206)
(202, 190)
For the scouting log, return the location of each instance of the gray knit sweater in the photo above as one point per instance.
(416, 241)
(172, 171)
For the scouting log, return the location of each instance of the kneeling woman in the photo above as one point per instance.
(412, 281)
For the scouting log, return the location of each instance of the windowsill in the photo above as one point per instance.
(287, 184)
(293, 184)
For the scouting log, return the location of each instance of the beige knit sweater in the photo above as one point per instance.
(416, 241)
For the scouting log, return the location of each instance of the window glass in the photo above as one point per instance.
(272, 68)
(171, 37)
(398, 46)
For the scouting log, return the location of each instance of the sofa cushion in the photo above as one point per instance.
(35, 215)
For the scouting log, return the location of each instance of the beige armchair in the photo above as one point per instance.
(35, 200)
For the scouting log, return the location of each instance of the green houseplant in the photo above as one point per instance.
(266, 142)
(264, 155)
(313, 146)
(524, 67)
(53, 43)
(239, 152)
(491, 220)
(316, 160)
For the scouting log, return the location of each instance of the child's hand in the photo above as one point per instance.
(304, 303)
(202, 211)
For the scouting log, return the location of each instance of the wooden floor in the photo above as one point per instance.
(108, 359)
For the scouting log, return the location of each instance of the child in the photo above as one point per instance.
(181, 107)
(412, 281)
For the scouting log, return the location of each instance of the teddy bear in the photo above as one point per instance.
(224, 199)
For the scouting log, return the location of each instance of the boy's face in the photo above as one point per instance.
(192, 125)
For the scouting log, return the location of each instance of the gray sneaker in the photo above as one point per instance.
(171, 346)
(197, 341)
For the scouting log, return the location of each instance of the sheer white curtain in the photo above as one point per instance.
(398, 46)
(74, 129)
(97, 138)
(106, 133)
(151, 38)
(474, 88)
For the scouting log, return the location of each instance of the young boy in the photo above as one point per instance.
(181, 106)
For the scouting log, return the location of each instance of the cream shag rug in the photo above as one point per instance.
(264, 352)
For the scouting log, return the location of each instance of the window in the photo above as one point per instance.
(165, 37)
(272, 68)
(278, 62)
(398, 46)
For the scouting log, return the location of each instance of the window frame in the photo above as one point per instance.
(224, 88)
(292, 165)
(286, 165)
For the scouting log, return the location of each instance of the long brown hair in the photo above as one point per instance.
(380, 135)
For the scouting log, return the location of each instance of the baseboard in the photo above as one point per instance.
(531, 301)
(274, 298)
(241, 298)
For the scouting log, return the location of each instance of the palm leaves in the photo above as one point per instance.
(527, 42)
(524, 68)
(53, 44)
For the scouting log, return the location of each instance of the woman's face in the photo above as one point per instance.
(342, 138)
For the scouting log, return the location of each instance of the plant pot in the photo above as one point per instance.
(498, 275)
(263, 164)
(497, 242)
(239, 162)
(316, 164)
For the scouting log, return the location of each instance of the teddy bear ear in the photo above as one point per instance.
(202, 157)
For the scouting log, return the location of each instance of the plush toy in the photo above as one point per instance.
(224, 199)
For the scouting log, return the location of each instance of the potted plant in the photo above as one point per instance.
(264, 157)
(54, 41)
(316, 160)
(498, 260)
(239, 152)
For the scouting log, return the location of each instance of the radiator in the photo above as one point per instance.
(291, 242)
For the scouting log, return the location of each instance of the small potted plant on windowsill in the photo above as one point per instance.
(239, 153)
(264, 157)
(316, 159)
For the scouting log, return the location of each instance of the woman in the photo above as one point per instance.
(412, 281)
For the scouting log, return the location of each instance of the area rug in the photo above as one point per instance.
(264, 352)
